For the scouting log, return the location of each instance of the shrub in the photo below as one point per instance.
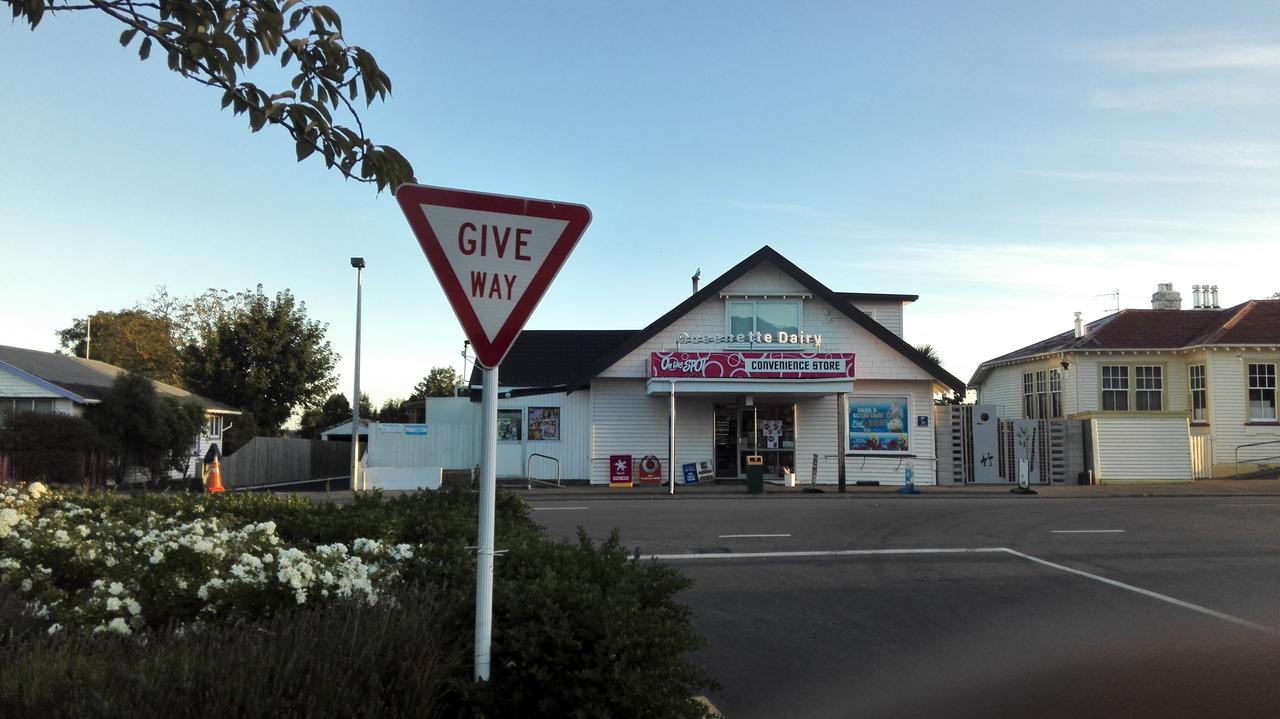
(579, 630)
(346, 660)
(49, 446)
(584, 631)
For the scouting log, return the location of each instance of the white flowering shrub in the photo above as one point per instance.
(123, 571)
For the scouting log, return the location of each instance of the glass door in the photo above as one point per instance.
(770, 431)
(726, 441)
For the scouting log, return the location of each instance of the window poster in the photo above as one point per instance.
(509, 425)
(878, 424)
(544, 424)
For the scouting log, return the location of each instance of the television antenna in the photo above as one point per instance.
(1115, 298)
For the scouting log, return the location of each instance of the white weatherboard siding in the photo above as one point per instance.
(1142, 448)
(11, 385)
(816, 433)
(629, 421)
(1228, 412)
(573, 449)
(888, 314)
(1003, 389)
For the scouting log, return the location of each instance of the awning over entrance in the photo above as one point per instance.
(656, 386)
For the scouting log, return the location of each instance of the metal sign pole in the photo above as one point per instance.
(484, 538)
(672, 448)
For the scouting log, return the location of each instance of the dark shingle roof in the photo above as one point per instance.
(552, 358)
(875, 297)
(89, 379)
(1253, 322)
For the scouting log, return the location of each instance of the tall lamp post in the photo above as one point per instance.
(358, 263)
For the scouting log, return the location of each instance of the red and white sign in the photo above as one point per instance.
(751, 365)
(620, 470)
(650, 470)
(494, 255)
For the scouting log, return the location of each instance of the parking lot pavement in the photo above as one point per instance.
(870, 608)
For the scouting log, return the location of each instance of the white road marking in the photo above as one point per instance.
(1148, 593)
(1252, 504)
(978, 550)
(556, 509)
(1086, 531)
(824, 553)
(743, 536)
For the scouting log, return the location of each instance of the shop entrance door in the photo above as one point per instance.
(726, 442)
(766, 429)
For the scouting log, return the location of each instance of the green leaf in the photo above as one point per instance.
(126, 37)
(304, 149)
(251, 51)
(144, 51)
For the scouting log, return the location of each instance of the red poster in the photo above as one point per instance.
(650, 470)
(751, 365)
(620, 470)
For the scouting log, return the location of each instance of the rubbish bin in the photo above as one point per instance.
(755, 474)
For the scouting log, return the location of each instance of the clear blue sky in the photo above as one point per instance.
(1008, 162)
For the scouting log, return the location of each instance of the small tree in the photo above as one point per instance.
(136, 340)
(218, 43)
(142, 431)
(393, 410)
(439, 382)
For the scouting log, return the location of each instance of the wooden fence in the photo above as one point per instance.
(284, 460)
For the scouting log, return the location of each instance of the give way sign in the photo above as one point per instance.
(495, 256)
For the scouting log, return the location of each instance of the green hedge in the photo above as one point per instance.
(579, 630)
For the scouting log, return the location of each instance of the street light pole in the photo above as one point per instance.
(358, 263)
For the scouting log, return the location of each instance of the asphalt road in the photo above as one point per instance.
(915, 606)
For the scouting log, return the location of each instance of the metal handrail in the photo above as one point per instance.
(1253, 444)
(529, 461)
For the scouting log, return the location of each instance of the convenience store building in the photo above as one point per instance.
(764, 360)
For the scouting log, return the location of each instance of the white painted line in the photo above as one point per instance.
(825, 553)
(1086, 531)
(1148, 593)
(1252, 504)
(744, 536)
(555, 509)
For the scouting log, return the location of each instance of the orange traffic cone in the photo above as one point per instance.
(215, 478)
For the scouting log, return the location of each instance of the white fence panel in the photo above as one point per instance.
(450, 446)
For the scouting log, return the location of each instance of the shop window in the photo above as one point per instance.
(544, 424)
(1115, 388)
(1199, 394)
(768, 317)
(1148, 388)
(1262, 392)
(509, 422)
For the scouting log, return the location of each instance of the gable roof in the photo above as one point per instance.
(1256, 322)
(86, 381)
(552, 358)
(764, 255)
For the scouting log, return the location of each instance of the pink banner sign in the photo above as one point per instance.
(751, 365)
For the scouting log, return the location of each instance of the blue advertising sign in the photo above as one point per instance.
(878, 424)
(690, 473)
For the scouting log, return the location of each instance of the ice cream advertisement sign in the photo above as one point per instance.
(878, 424)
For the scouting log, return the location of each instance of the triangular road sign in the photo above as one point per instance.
(494, 255)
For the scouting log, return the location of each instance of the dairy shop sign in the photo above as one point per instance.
(755, 338)
(751, 365)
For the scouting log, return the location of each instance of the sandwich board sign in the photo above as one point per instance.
(494, 255)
